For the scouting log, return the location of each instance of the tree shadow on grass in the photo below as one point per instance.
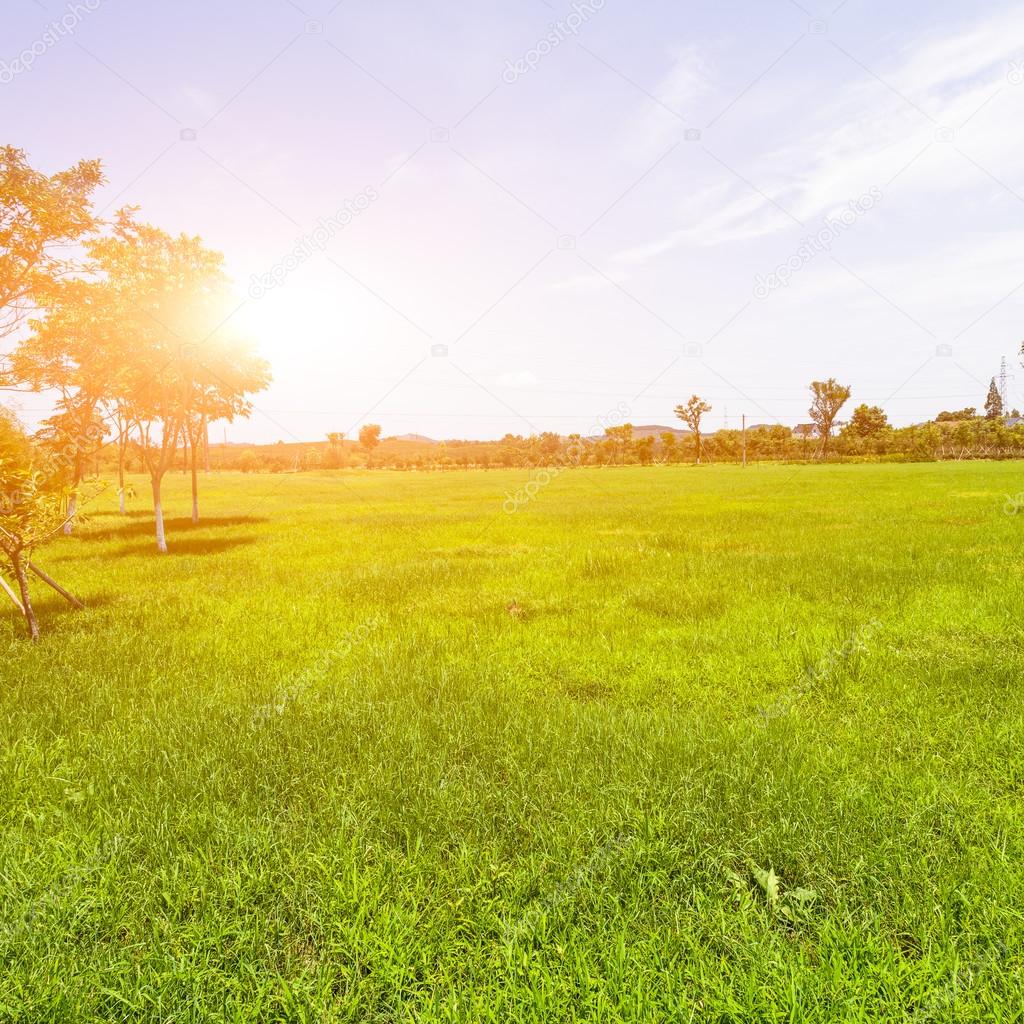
(141, 525)
(178, 545)
(53, 611)
(52, 606)
(145, 544)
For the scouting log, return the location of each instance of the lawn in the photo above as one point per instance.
(665, 743)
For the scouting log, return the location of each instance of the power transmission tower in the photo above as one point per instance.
(1004, 378)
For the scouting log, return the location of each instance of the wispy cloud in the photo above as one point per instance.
(894, 117)
(689, 79)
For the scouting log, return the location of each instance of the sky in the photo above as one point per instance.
(462, 220)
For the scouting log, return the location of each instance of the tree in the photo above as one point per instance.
(549, 444)
(828, 397)
(221, 371)
(668, 445)
(18, 510)
(867, 421)
(691, 414)
(369, 438)
(172, 302)
(993, 402)
(40, 218)
(334, 457)
(575, 449)
(76, 352)
(644, 448)
(620, 438)
(959, 414)
(31, 512)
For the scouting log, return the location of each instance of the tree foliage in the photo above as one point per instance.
(31, 507)
(369, 438)
(180, 367)
(993, 402)
(827, 398)
(959, 414)
(691, 414)
(867, 421)
(41, 218)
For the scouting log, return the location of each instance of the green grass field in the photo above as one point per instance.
(664, 744)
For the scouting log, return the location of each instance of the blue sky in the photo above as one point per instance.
(591, 236)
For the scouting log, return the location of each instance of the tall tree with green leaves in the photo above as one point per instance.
(668, 445)
(827, 398)
(691, 414)
(369, 438)
(221, 370)
(182, 367)
(867, 421)
(75, 352)
(41, 218)
(621, 439)
(993, 402)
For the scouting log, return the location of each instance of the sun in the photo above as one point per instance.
(290, 319)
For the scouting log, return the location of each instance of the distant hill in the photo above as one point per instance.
(654, 430)
(649, 430)
(418, 438)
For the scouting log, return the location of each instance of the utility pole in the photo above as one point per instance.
(744, 439)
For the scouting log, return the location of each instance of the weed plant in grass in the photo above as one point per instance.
(664, 744)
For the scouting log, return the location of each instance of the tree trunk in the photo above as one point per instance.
(121, 447)
(697, 432)
(26, 600)
(69, 523)
(158, 517)
(195, 484)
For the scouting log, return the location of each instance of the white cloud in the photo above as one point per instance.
(716, 215)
